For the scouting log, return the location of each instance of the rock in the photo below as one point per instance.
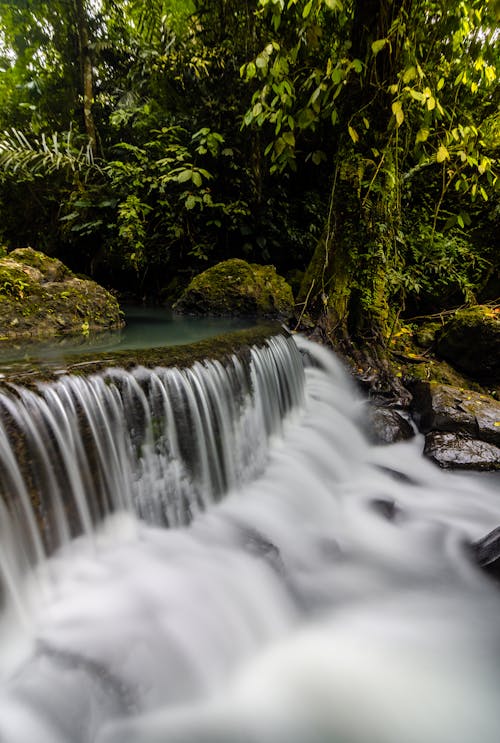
(387, 426)
(235, 287)
(487, 553)
(459, 451)
(440, 407)
(40, 297)
(471, 342)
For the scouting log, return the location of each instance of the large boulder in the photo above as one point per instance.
(462, 427)
(40, 297)
(237, 288)
(458, 451)
(441, 407)
(470, 341)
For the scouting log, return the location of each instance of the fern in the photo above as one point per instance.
(43, 155)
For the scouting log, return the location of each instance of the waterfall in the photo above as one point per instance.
(330, 595)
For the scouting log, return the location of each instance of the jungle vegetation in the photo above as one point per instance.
(354, 144)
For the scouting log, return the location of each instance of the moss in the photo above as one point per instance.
(235, 287)
(42, 298)
(51, 269)
(470, 340)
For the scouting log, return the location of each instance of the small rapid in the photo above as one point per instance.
(329, 596)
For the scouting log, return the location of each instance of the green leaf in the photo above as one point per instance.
(307, 9)
(442, 154)
(378, 45)
(358, 65)
(353, 134)
(422, 135)
(289, 138)
(184, 175)
(409, 74)
(398, 113)
(196, 178)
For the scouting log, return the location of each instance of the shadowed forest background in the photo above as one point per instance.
(352, 144)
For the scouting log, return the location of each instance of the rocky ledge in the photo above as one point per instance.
(41, 298)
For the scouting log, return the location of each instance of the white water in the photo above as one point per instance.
(293, 611)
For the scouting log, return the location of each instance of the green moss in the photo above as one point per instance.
(42, 298)
(235, 287)
(470, 340)
(51, 268)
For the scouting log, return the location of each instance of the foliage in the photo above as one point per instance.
(361, 138)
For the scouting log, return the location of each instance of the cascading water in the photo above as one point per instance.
(330, 597)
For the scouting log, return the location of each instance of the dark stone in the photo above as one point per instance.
(440, 407)
(487, 553)
(471, 342)
(459, 451)
(387, 426)
(385, 508)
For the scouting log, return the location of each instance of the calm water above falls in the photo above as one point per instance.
(291, 611)
(145, 327)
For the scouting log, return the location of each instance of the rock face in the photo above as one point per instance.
(462, 427)
(471, 342)
(487, 553)
(458, 451)
(40, 297)
(235, 287)
(387, 426)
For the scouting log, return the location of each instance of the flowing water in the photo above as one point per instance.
(328, 597)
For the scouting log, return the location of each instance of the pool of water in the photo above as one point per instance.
(145, 327)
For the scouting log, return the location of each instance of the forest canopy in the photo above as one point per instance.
(353, 144)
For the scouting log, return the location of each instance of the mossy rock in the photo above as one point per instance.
(237, 288)
(470, 341)
(41, 298)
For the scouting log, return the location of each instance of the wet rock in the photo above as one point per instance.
(40, 297)
(237, 288)
(471, 342)
(487, 553)
(459, 451)
(385, 508)
(441, 407)
(386, 426)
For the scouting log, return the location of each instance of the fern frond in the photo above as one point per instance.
(43, 155)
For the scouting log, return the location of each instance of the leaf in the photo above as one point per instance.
(334, 4)
(353, 134)
(417, 95)
(440, 83)
(289, 138)
(358, 65)
(196, 178)
(184, 175)
(422, 135)
(409, 74)
(431, 103)
(442, 154)
(307, 9)
(397, 110)
(378, 45)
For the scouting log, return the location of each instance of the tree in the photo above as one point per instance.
(396, 88)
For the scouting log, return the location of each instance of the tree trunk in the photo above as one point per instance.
(348, 275)
(87, 74)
